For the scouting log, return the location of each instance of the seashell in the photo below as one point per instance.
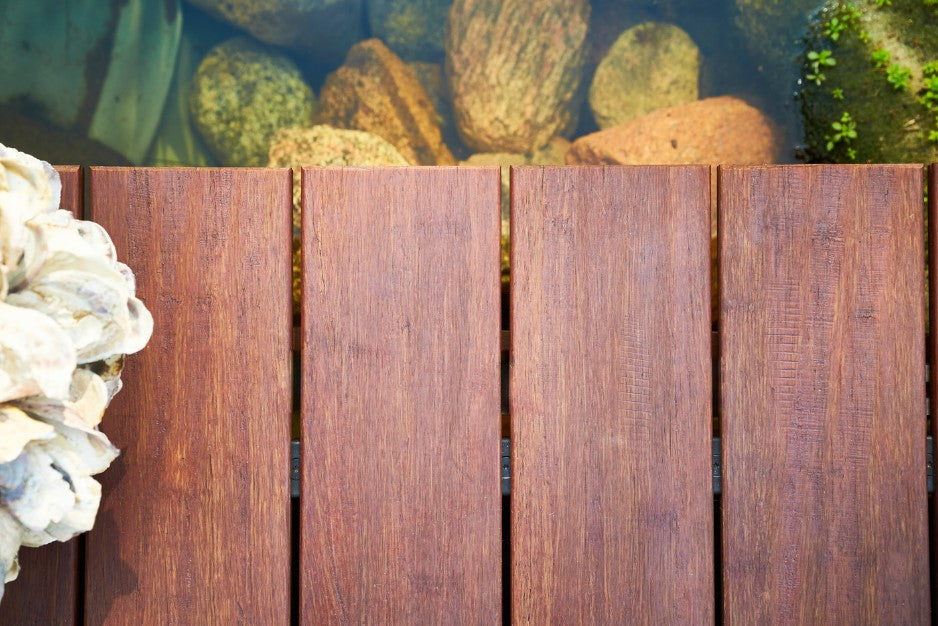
(68, 315)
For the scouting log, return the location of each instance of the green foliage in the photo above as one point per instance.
(930, 69)
(817, 60)
(845, 130)
(883, 3)
(929, 97)
(880, 57)
(837, 93)
(898, 76)
(848, 16)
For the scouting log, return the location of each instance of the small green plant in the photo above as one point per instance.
(837, 93)
(817, 60)
(880, 57)
(930, 68)
(898, 76)
(845, 129)
(852, 154)
(929, 98)
(834, 27)
(883, 3)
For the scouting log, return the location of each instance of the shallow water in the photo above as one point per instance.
(113, 83)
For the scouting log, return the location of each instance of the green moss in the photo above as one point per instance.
(885, 56)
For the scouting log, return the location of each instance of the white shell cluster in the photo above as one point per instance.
(67, 316)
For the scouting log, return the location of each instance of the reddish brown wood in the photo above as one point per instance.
(933, 334)
(194, 526)
(612, 510)
(823, 395)
(46, 590)
(400, 399)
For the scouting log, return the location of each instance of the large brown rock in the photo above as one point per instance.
(514, 68)
(712, 131)
(375, 91)
(715, 130)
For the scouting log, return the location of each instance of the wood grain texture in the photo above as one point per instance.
(823, 395)
(933, 335)
(401, 499)
(194, 526)
(612, 510)
(46, 590)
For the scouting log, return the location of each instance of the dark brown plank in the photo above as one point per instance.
(612, 510)
(400, 399)
(194, 526)
(46, 590)
(823, 395)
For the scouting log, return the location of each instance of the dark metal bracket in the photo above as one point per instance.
(505, 466)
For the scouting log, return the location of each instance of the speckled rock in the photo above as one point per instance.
(241, 94)
(413, 29)
(514, 68)
(377, 92)
(649, 67)
(323, 29)
(714, 130)
(324, 146)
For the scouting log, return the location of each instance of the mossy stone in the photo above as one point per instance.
(649, 67)
(892, 125)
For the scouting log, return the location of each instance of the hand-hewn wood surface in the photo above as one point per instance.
(401, 499)
(612, 510)
(823, 395)
(933, 334)
(46, 590)
(194, 526)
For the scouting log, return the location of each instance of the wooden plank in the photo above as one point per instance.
(400, 496)
(933, 333)
(823, 395)
(612, 510)
(46, 590)
(195, 526)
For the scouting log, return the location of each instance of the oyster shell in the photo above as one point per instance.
(68, 315)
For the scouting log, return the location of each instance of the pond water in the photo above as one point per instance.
(485, 82)
(212, 82)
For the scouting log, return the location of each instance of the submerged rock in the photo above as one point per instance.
(514, 68)
(241, 95)
(872, 94)
(649, 67)
(713, 130)
(99, 69)
(324, 146)
(324, 30)
(413, 29)
(377, 92)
